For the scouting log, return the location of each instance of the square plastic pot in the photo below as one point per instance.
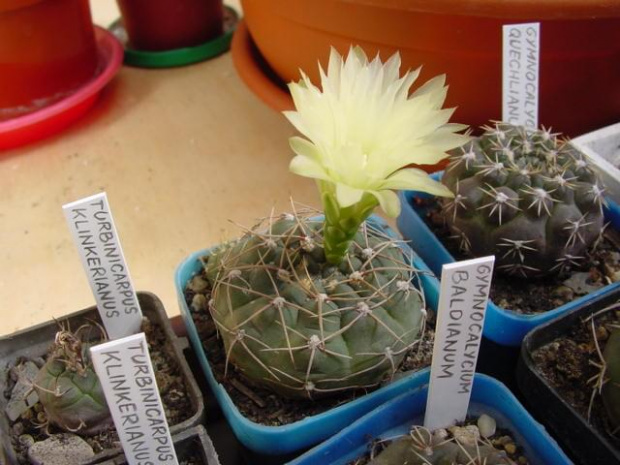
(572, 430)
(34, 342)
(602, 147)
(396, 417)
(501, 325)
(191, 441)
(280, 440)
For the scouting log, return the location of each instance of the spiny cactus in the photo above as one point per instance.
(525, 196)
(303, 327)
(421, 447)
(611, 389)
(69, 389)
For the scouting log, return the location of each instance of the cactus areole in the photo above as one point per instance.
(529, 198)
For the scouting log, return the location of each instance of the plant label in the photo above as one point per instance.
(128, 381)
(520, 71)
(91, 224)
(463, 297)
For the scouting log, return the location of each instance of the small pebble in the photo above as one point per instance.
(504, 440)
(198, 284)
(601, 333)
(26, 440)
(511, 448)
(18, 429)
(466, 435)
(440, 434)
(60, 449)
(199, 302)
(486, 425)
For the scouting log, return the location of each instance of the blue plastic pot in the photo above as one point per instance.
(501, 325)
(396, 417)
(279, 440)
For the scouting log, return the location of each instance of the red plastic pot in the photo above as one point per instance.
(47, 50)
(580, 48)
(158, 25)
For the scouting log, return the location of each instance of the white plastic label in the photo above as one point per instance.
(92, 227)
(521, 69)
(126, 373)
(463, 299)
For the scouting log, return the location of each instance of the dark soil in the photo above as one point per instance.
(569, 364)
(502, 440)
(193, 459)
(540, 294)
(265, 407)
(174, 394)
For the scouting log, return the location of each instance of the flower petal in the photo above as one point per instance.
(305, 148)
(362, 125)
(304, 166)
(347, 195)
(389, 201)
(416, 180)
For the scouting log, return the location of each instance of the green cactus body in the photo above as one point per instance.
(611, 389)
(524, 196)
(422, 448)
(305, 328)
(71, 393)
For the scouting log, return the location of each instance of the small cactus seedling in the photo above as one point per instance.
(68, 387)
(303, 327)
(423, 447)
(526, 197)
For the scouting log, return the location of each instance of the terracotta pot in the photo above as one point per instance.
(580, 48)
(38, 63)
(158, 25)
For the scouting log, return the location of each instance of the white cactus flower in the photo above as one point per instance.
(363, 129)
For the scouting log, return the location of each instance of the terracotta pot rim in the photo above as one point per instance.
(512, 9)
(252, 69)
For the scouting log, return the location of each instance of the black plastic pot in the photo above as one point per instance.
(34, 342)
(571, 430)
(187, 444)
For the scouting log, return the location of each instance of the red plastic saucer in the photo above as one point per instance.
(54, 118)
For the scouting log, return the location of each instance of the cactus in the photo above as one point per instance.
(527, 197)
(303, 327)
(421, 447)
(69, 389)
(611, 388)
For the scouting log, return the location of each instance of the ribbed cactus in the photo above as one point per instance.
(69, 388)
(611, 389)
(421, 447)
(305, 328)
(525, 196)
